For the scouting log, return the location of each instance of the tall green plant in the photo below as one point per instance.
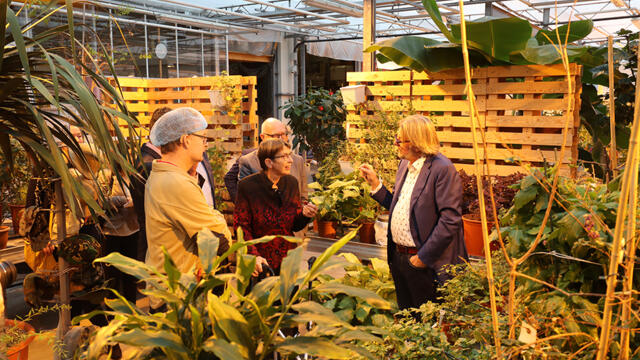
(216, 316)
(317, 119)
(45, 94)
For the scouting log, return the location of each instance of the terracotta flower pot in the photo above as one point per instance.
(326, 229)
(16, 215)
(21, 350)
(473, 235)
(367, 233)
(4, 236)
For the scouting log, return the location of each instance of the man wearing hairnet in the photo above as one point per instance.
(176, 209)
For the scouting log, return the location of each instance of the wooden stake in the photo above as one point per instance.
(479, 172)
(368, 34)
(64, 317)
(612, 112)
(632, 241)
(628, 179)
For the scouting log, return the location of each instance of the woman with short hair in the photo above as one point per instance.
(425, 223)
(268, 203)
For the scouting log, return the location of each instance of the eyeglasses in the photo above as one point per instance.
(398, 141)
(278, 135)
(288, 155)
(204, 138)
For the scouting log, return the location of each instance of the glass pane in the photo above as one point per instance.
(190, 54)
(162, 52)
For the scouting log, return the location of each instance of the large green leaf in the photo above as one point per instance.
(153, 338)
(576, 30)
(549, 53)
(289, 271)
(496, 37)
(230, 322)
(434, 12)
(316, 313)
(130, 266)
(314, 346)
(207, 249)
(368, 296)
(223, 349)
(407, 51)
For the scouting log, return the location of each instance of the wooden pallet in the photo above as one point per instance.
(144, 96)
(522, 110)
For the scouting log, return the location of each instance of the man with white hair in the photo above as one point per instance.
(249, 164)
(176, 209)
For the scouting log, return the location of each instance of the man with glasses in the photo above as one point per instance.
(249, 163)
(175, 207)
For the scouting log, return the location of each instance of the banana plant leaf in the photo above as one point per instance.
(548, 53)
(407, 51)
(496, 37)
(434, 12)
(577, 30)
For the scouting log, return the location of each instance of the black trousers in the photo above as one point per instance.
(125, 284)
(414, 286)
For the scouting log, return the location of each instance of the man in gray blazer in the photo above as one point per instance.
(248, 163)
(425, 223)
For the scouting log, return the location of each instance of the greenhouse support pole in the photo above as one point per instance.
(612, 112)
(368, 34)
(64, 318)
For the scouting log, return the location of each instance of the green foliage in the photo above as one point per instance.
(346, 198)
(213, 315)
(317, 120)
(218, 161)
(13, 335)
(14, 178)
(356, 307)
(491, 41)
(45, 94)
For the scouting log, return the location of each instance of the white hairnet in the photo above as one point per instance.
(175, 123)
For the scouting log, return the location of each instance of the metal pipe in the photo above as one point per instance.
(300, 11)
(146, 47)
(177, 56)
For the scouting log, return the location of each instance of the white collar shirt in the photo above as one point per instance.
(400, 229)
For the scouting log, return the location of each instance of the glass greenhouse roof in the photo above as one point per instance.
(342, 19)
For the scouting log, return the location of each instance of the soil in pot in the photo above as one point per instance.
(16, 215)
(327, 229)
(473, 235)
(4, 236)
(16, 337)
(367, 233)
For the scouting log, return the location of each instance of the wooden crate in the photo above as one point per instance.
(144, 96)
(522, 110)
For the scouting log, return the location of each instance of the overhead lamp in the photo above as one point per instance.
(324, 5)
(189, 22)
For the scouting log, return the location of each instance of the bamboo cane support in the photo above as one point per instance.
(631, 248)
(612, 111)
(483, 214)
(625, 193)
(64, 317)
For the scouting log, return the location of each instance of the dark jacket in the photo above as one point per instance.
(436, 213)
(231, 177)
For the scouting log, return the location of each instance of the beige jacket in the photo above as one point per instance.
(175, 211)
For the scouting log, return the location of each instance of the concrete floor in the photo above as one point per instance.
(42, 347)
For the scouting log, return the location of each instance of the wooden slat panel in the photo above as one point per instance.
(543, 87)
(530, 70)
(378, 76)
(224, 133)
(390, 90)
(554, 122)
(445, 105)
(503, 154)
(527, 104)
(453, 89)
(504, 170)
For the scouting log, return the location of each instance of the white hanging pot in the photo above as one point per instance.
(353, 95)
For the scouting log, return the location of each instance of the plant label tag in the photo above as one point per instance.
(527, 334)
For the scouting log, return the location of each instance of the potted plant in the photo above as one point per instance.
(503, 191)
(15, 338)
(317, 120)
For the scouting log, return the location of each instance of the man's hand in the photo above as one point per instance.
(416, 262)
(369, 175)
(309, 210)
(259, 262)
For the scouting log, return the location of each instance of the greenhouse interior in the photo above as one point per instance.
(319, 179)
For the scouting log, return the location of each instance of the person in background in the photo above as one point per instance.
(268, 203)
(249, 164)
(149, 153)
(175, 207)
(425, 224)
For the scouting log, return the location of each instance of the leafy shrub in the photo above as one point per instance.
(503, 192)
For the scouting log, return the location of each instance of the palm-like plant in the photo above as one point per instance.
(44, 94)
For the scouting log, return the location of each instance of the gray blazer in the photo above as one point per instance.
(436, 214)
(250, 164)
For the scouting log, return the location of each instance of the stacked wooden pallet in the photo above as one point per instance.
(522, 110)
